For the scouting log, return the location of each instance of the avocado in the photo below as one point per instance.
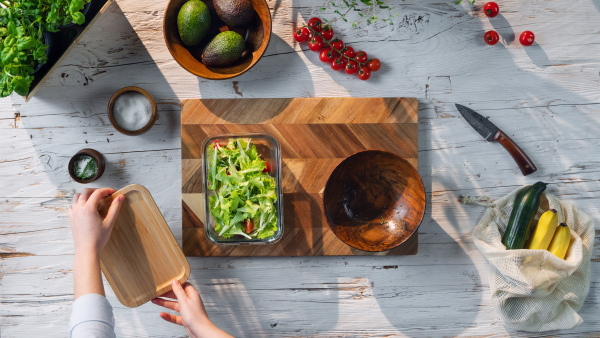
(234, 13)
(193, 22)
(224, 49)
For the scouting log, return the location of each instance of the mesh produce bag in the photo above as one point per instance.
(533, 290)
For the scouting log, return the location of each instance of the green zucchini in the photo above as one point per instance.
(526, 206)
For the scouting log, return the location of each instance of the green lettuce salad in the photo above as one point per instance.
(243, 193)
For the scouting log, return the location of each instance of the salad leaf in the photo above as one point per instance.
(240, 190)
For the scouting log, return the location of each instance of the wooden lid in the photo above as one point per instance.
(142, 257)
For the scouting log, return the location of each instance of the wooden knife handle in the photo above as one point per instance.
(525, 164)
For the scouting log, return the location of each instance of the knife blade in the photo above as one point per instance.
(490, 132)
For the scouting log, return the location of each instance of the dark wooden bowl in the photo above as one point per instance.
(257, 34)
(374, 200)
(148, 125)
(99, 161)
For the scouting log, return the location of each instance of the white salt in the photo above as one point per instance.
(132, 111)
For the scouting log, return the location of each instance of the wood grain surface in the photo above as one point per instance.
(315, 135)
(545, 97)
(141, 257)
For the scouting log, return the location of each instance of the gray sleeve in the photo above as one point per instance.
(92, 317)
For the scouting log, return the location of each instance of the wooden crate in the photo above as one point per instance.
(63, 42)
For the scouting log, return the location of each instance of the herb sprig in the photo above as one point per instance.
(90, 166)
(344, 7)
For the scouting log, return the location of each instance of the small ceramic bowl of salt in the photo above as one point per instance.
(132, 110)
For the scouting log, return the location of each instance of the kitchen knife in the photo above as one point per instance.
(490, 132)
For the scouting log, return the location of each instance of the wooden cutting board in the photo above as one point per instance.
(142, 257)
(315, 135)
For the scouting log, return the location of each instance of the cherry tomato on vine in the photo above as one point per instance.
(351, 67)
(363, 73)
(361, 57)
(342, 61)
(527, 38)
(335, 65)
(327, 55)
(491, 9)
(302, 34)
(374, 64)
(316, 44)
(316, 24)
(327, 32)
(337, 44)
(349, 52)
(491, 37)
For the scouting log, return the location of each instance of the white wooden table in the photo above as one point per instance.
(546, 97)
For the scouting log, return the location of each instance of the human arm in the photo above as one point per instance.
(193, 315)
(92, 314)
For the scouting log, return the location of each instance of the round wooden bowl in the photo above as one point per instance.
(257, 35)
(99, 161)
(148, 125)
(374, 200)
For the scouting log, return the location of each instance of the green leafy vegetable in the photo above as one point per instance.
(240, 190)
(22, 45)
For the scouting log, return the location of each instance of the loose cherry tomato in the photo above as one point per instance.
(316, 44)
(527, 38)
(349, 52)
(315, 23)
(361, 57)
(267, 169)
(491, 9)
(491, 37)
(327, 55)
(335, 65)
(363, 73)
(351, 67)
(374, 64)
(302, 34)
(337, 44)
(327, 32)
(248, 225)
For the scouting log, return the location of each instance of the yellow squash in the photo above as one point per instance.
(560, 242)
(544, 231)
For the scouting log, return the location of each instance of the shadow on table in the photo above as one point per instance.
(279, 62)
(69, 112)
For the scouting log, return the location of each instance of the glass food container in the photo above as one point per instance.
(270, 151)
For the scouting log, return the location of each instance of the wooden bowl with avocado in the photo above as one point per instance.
(212, 45)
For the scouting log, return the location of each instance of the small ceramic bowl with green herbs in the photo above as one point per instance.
(86, 166)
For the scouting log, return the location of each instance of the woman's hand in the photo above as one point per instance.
(90, 235)
(189, 305)
(90, 231)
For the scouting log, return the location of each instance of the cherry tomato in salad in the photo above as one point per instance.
(327, 32)
(374, 64)
(335, 65)
(337, 44)
(349, 52)
(316, 24)
(316, 44)
(267, 169)
(302, 34)
(248, 225)
(351, 67)
(527, 38)
(361, 57)
(491, 9)
(327, 55)
(491, 37)
(364, 73)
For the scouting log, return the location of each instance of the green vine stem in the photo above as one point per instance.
(340, 52)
